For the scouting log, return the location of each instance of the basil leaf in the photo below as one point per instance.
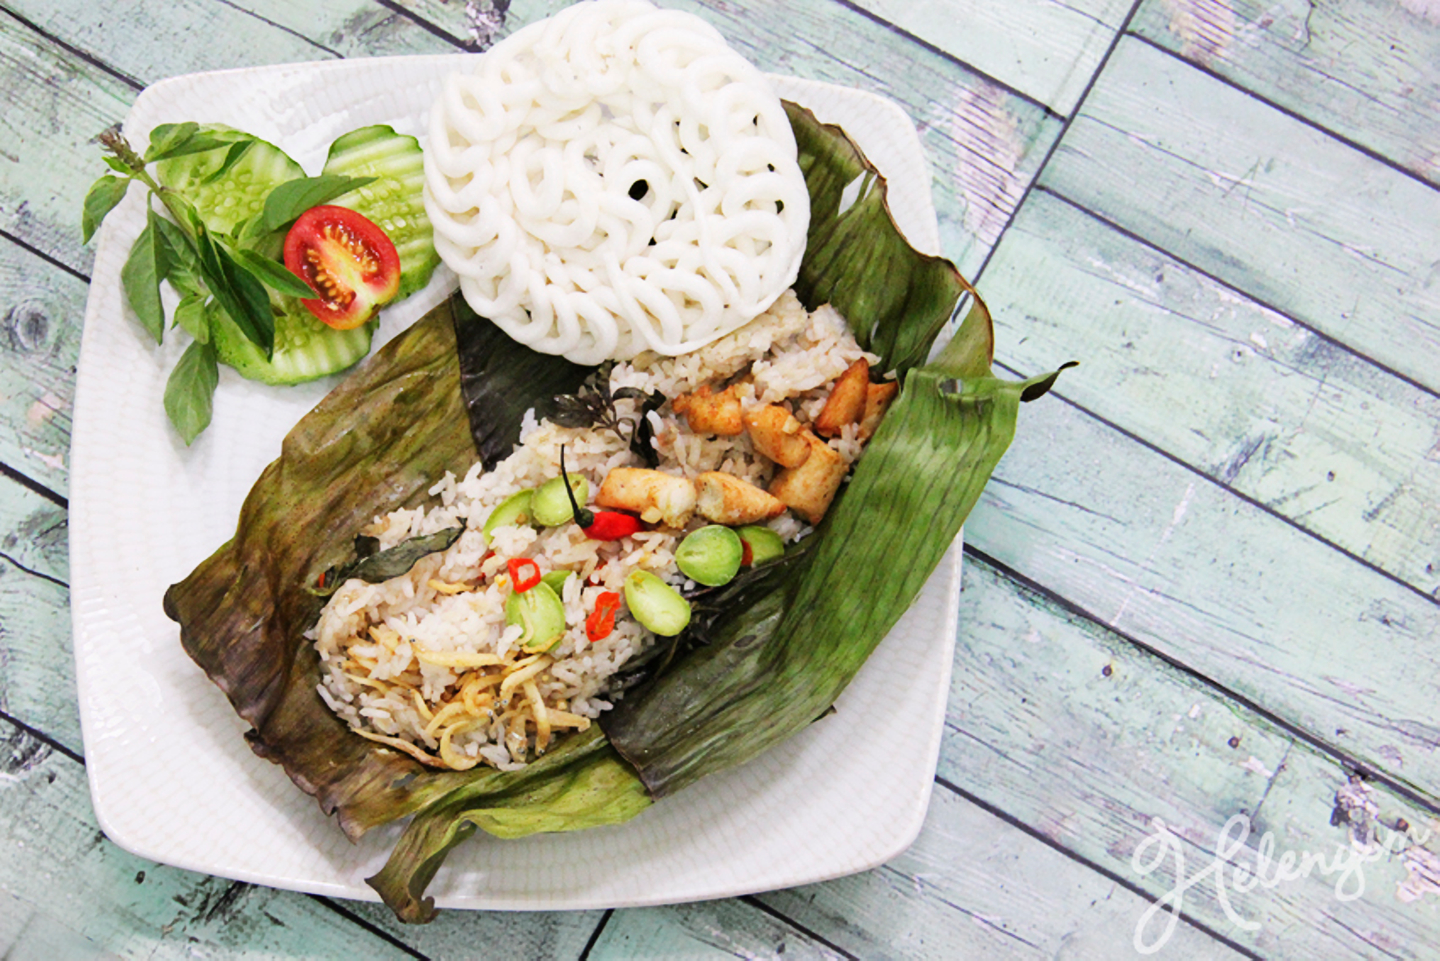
(118, 165)
(141, 279)
(178, 139)
(232, 156)
(190, 391)
(239, 294)
(383, 565)
(274, 275)
(102, 197)
(191, 317)
(292, 198)
(181, 260)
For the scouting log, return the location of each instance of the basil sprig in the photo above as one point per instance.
(213, 273)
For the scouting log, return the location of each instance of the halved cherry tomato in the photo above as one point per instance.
(347, 260)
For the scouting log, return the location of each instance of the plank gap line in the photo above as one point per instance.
(283, 29)
(1241, 495)
(1055, 144)
(1100, 869)
(810, 933)
(930, 47)
(1129, 234)
(1346, 761)
(32, 249)
(356, 919)
(427, 26)
(1287, 111)
(33, 573)
(94, 61)
(42, 737)
(33, 485)
(595, 935)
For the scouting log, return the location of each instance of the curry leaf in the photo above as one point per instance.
(372, 568)
(102, 197)
(292, 198)
(190, 391)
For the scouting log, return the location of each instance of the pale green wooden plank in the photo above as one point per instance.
(973, 886)
(1046, 49)
(1078, 733)
(59, 102)
(37, 666)
(56, 105)
(65, 891)
(39, 343)
(498, 935)
(1362, 68)
(709, 929)
(1251, 399)
(984, 144)
(1277, 209)
(1240, 596)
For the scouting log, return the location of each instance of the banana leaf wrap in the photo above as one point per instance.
(764, 657)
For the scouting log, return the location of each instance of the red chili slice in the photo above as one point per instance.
(524, 573)
(613, 525)
(347, 260)
(602, 620)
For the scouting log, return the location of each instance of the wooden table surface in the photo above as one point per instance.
(1202, 584)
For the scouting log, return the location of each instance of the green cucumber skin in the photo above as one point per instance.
(394, 201)
(240, 194)
(305, 349)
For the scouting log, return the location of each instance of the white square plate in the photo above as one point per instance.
(170, 774)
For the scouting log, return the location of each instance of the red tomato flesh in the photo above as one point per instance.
(347, 260)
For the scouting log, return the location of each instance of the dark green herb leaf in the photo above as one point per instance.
(141, 278)
(102, 197)
(380, 566)
(239, 294)
(182, 263)
(236, 151)
(190, 391)
(190, 317)
(178, 139)
(166, 135)
(292, 198)
(273, 274)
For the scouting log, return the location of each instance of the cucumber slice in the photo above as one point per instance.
(304, 347)
(393, 200)
(239, 193)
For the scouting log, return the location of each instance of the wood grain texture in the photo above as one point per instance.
(1046, 49)
(1252, 400)
(1273, 207)
(984, 144)
(37, 666)
(1169, 558)
(974, 886)
(1076, 732)
(39, 342)
(708, 929)
(1362, 68)
(67, 892)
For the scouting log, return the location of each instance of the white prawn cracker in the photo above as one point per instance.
(615, 179)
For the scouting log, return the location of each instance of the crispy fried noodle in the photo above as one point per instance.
(615, 179)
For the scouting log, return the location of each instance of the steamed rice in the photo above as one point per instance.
(381, 644)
